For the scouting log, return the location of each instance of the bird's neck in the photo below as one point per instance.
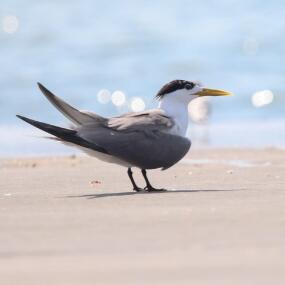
(178, 111)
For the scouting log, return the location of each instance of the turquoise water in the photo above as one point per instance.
(76, 48)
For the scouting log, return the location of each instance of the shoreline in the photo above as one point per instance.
(69, 151)
(19, 139)
(195, 152)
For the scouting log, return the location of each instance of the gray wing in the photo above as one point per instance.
(151, 120)
(76, 116)
(140, 139)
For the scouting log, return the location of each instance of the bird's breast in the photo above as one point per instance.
(178, 129)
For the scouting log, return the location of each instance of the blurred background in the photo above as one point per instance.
(113, 57)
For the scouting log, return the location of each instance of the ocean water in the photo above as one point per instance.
(77, 48)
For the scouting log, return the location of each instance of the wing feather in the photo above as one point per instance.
(76, 116)
(150, 120)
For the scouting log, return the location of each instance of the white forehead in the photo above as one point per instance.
(195, 89)
(197, 82)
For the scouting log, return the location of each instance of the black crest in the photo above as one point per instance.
(173, 86)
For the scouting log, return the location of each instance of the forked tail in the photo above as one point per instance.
(63, 134)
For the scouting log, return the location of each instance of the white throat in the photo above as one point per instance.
(178, 111)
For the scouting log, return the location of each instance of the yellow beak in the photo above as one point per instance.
(213, 92)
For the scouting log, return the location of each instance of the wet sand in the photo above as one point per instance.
(75, 220)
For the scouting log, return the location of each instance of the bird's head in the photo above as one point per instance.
(185, 91)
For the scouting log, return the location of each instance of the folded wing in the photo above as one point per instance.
(141, 147)
(141, 139)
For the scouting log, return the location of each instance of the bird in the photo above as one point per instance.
(150, 139)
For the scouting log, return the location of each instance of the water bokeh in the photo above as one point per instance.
(112, 57)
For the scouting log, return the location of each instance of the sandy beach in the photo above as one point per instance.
(75, 220)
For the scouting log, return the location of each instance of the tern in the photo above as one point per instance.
(151, 139)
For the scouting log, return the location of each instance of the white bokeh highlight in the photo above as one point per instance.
(137, 104)
(118, 98)
(262, 98)
(10, 24)
(104, 96)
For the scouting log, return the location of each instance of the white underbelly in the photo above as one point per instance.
(105, 157)
(99, 155)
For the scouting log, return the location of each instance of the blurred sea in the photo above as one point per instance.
(77, 48)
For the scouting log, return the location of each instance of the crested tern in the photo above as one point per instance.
(150, 139)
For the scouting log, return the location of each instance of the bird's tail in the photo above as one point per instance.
(66, 135)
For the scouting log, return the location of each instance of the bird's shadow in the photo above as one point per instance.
(120, 194)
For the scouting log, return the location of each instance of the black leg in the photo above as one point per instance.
(135, 187)
(148, 187)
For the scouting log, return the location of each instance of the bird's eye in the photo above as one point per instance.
(189, 86)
